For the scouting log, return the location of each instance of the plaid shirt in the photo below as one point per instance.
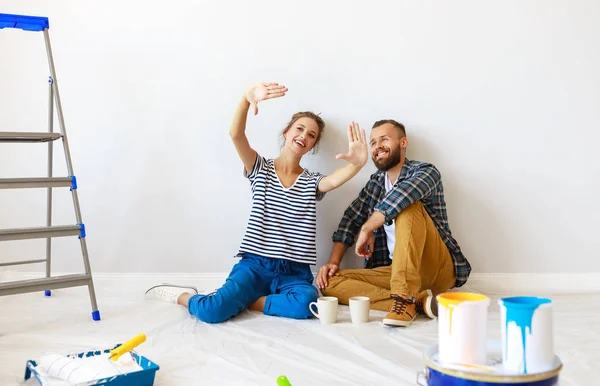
(418, 181)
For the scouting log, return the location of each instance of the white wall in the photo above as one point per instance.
(502, 96)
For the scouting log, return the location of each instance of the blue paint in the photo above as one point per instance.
(520, 310)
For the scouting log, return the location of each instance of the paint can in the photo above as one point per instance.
(436, 373)
(462, 327)
(527, 334)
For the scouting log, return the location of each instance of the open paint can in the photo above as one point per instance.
(462, 327)
(527, 334)
(492, 373)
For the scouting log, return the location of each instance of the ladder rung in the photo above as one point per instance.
(13, 136)
(22, 262)
(43, 182)
(33, 285)
(41, 232)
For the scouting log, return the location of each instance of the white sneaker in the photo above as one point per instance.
(169, 292)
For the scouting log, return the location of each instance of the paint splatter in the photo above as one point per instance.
(451, 300)
(520, 310)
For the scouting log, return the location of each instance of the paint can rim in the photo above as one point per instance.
(488, 377)
(525, 301)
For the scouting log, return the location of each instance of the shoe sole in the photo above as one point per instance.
(397, 323)
(431, 306)
(173, 285)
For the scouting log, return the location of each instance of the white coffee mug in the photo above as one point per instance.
(359, 309)
(327, 307)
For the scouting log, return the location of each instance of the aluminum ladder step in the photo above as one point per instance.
(13, 136)
(23, 262)
(44, 284)
(42, 232)
(41, 182)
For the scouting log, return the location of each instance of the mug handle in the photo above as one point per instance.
(310, 307)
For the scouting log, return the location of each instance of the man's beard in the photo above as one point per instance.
(392, 160)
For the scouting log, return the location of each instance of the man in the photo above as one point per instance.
(400, 226)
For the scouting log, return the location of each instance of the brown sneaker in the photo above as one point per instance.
(403, 311)
(427, 304)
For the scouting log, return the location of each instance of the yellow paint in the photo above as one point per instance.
(449, 300)
(455, 298)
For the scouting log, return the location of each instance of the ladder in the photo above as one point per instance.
(41, 24)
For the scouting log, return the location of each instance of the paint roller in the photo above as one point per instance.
(75, 370)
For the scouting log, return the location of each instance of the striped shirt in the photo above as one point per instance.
(418, 181)
(283, 221)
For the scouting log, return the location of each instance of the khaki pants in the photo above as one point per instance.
(420, 261)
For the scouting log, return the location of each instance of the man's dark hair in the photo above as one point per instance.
(396, 124)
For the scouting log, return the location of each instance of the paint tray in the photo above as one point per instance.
(145, 377)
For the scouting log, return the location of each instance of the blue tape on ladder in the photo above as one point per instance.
(82, 234)
(96, 315)
(47, 293)
(73, 183)
(26, 23)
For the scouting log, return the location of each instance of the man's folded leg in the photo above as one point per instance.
(373, 283)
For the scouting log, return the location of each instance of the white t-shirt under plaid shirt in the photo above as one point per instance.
(283, 221)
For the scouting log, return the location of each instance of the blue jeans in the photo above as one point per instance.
(287, 285)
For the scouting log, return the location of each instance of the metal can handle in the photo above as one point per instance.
(423, 376)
